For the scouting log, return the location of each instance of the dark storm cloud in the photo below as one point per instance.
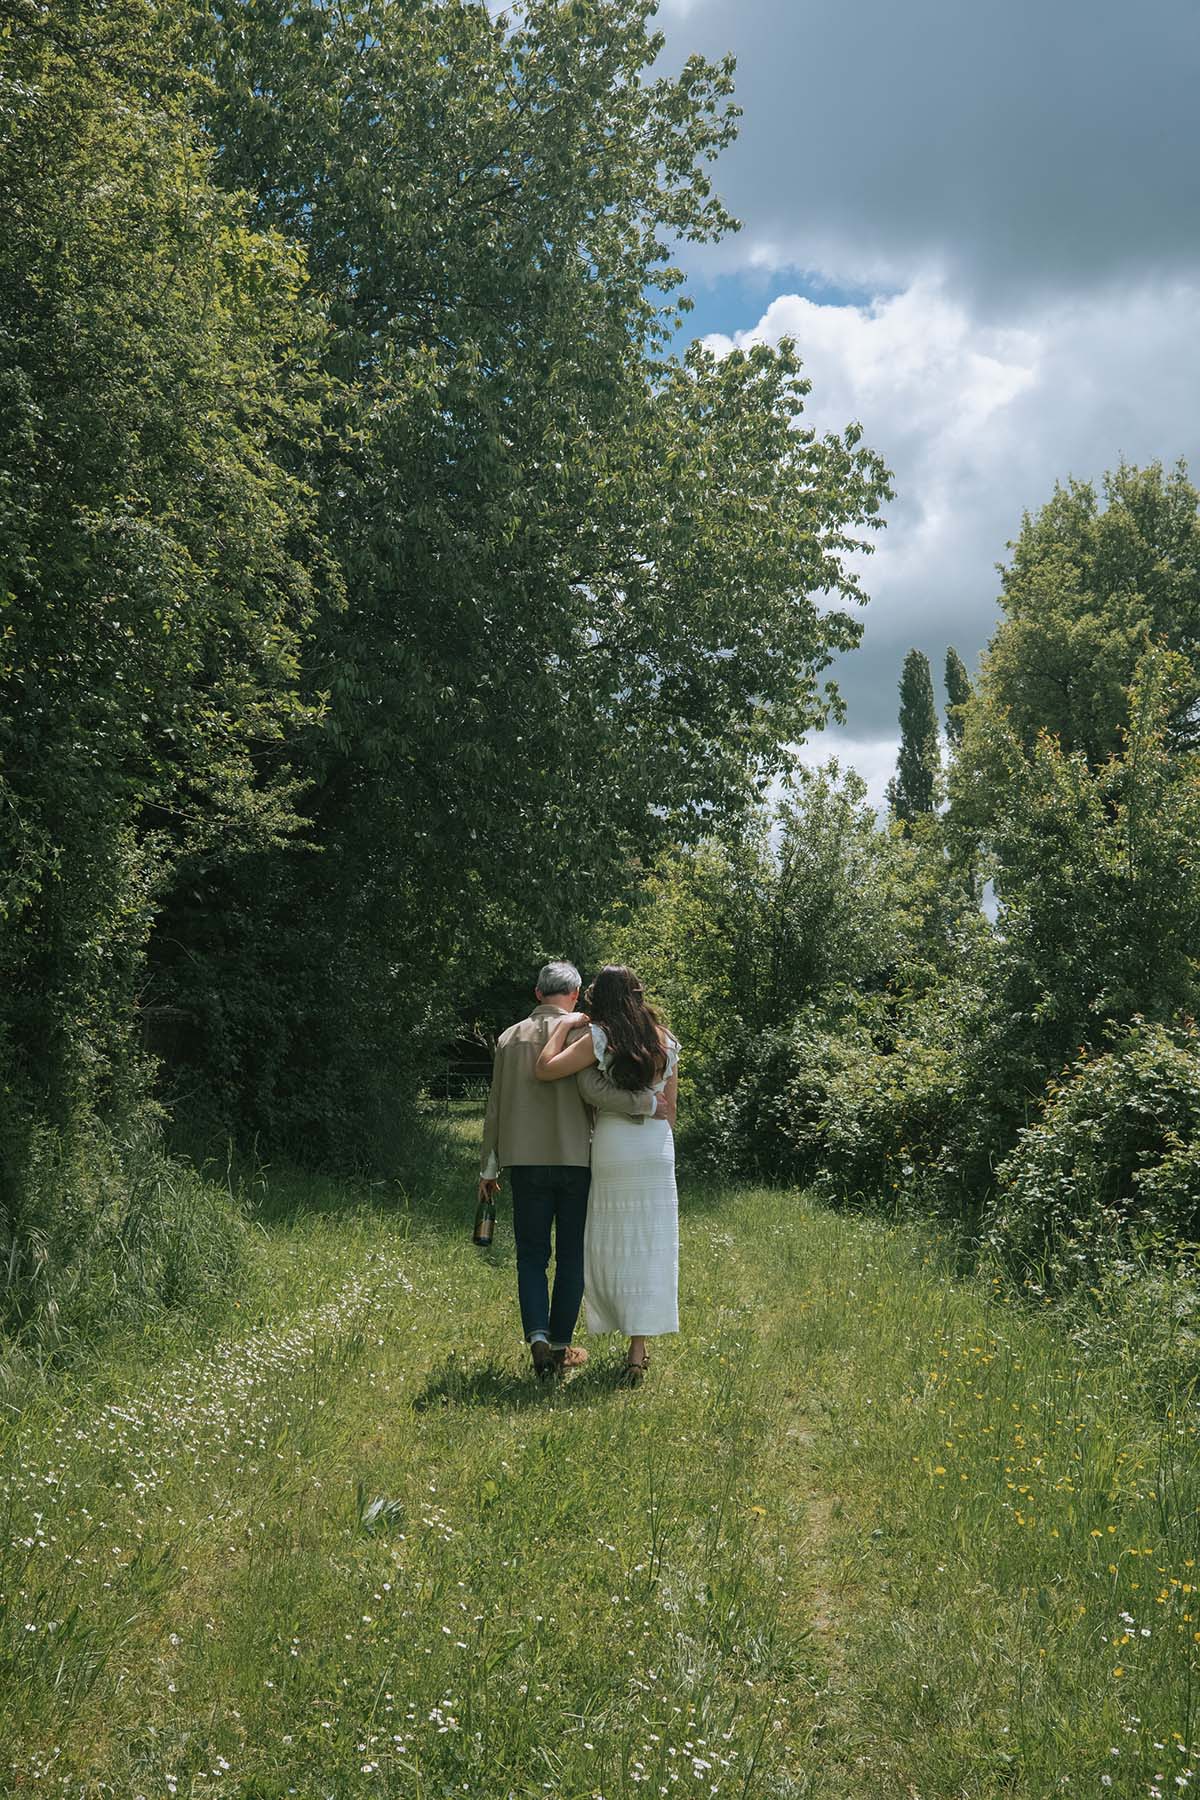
(1007, 144)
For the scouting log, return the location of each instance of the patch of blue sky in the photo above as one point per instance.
(736, 300)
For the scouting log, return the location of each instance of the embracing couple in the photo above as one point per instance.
(607, 1193)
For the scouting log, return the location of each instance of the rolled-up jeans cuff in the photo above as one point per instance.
(538, 1337)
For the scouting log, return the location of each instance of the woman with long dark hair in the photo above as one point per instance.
(631, 1243)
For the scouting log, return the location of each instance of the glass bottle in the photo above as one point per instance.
(485, 1222)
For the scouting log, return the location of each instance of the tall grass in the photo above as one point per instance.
(103, 1231)
(869, 1531)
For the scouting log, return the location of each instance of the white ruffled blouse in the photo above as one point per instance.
(604, 1054)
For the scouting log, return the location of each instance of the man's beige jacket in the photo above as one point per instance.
(532, 1121)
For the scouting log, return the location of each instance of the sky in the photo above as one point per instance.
(981, 224)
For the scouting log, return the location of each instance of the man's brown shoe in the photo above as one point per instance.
(543, 1357)
(573, 1357)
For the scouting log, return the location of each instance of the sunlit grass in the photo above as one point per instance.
(868, 1531)
(1019, 1558)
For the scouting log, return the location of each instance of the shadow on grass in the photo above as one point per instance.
(498, 1387)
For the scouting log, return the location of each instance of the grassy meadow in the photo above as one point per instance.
(868, 1531)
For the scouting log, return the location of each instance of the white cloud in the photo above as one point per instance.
(978, 422)
(873, 758)
(1018, 182)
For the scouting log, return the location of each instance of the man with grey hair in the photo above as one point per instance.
(540, 1131)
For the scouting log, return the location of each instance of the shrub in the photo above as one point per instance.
(104, 1230)
(881, 1131)
(749, 1128)
(1111, 1169)
(829, 1105)
(774, 920)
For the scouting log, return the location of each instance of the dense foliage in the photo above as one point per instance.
(958, 692)
(541, 673)
(1113, 1164)
(158, 574)
(1031, 1074)
(378, 589)
(748, 928)
(1089, 589)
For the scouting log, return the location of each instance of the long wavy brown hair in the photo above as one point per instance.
(617, 1000)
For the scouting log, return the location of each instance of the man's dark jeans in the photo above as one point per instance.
(548, 1196)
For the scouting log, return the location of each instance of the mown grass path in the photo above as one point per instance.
(867, 1532)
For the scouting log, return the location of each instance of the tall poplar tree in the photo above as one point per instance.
(958, 692)
(914, 788)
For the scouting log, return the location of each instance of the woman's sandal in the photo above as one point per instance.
(634, 1373)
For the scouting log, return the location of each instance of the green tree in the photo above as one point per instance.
(958, 692)
(580, 576)
(1097, 876)
(913, 791)
(1098, 870)
(154, 568)
(1074, 788)
(812, 967)
(157, 563)
(1089, 589)
(797, 908)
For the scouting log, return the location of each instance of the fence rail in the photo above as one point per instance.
(460, 1080)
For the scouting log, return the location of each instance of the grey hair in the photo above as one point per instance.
(558, 978)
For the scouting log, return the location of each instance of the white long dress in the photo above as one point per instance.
(631, 1245)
